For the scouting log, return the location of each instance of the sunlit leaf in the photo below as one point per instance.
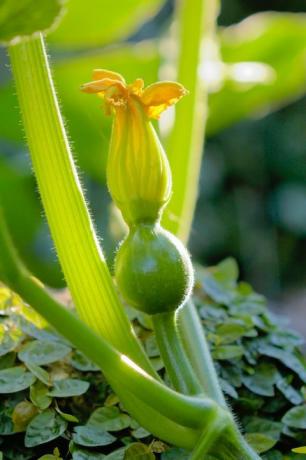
(24, 17)
(260, 442)
(39, 395)
(98, 22)
(23, 413)
(275, 39)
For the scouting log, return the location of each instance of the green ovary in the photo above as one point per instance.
(153, 270)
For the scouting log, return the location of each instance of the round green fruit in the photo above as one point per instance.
(153, 270)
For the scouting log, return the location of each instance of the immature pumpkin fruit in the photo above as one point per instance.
(152, 268)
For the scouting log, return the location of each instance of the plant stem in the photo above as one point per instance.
(15, 275)
(116, 366)
(176, 362)
(77, 247)
(198, 352)
(185, 144)
(196, 23)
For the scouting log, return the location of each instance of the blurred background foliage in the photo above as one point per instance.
(252, 197)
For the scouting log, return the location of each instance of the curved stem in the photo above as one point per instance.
(185, 410)
(209, 435)
(176, 362)
(72, 230)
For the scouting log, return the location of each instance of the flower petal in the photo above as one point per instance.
(100, 74)
(137, 87)
(100, 86)
(158, 97)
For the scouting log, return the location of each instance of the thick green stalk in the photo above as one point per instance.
(77, 247)
(175, 418)
(172, 351)
(196, 24)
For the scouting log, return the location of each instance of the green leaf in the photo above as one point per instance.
(23, 413)
(68, 387)
(15, 379)
(175, 454)
(228, 388)
(91, 436)
(39, 372)
(42, 352)
(9, 343)
(289, 391)
(296, 417)
(7, 360)
(103, 21)
(292, 360)
(49, 457)
(6, 423)
(260, 442)
(83, 454)
(44, 428)
(262, 425)
(220, 281)
(117, 454)
(227, 352)
(109, 419)
(68, 417)
(263, 380)
(140, 433)
(230, 331)
(138, 451)
(39, 395)
(273, 455)
(80, 362)
(24, 17)
(227, 271)
(276, 40)
(286, 338)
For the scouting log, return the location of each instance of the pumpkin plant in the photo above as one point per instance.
(153, 271)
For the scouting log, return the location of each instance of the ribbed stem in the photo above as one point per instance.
(176, 362)
(77, 247)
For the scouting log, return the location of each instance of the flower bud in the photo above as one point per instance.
(138, 172)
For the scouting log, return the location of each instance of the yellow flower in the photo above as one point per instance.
(138, 173)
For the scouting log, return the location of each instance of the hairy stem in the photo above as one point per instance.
(72, 230)
(136, 389)
(198, 352)
(176, 362)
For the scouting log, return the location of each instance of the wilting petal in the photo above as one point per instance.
(158, 97)
(100, 74)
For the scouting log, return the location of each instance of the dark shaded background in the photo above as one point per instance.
(252, 202)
